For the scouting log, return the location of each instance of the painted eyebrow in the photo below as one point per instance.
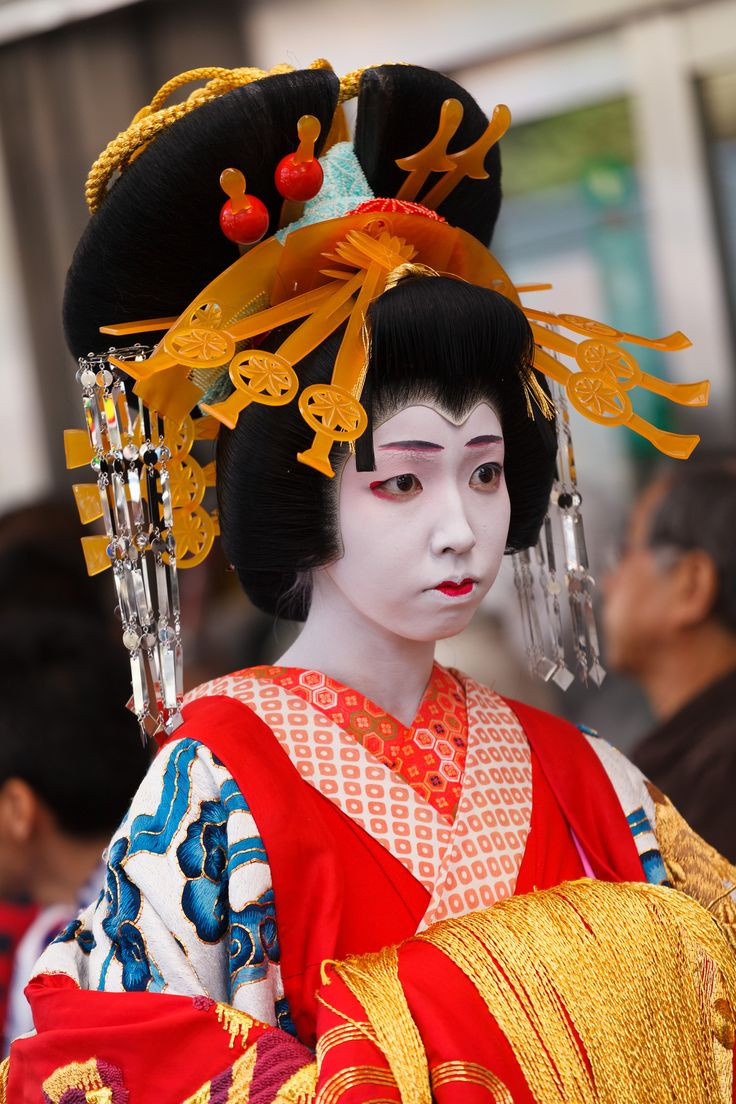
(487, 439)
(413, 446)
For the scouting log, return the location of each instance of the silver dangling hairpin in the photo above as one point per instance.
(130, 462)
(535, 572)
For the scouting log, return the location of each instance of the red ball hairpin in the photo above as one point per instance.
(243, 218)
(299, 175)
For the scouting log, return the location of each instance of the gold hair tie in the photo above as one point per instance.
(155, 117)
(404, 271)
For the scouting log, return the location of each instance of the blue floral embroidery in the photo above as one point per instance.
(74, 932)
(244, 852)
(232, 798)
(203, 860)
(254, 941)
(124, 903)
(155, 832)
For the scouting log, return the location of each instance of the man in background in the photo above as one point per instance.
(669, 621)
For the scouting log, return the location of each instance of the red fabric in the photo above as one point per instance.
(337, 891)
(452, 1020)
(585, 796)
(550, 856)
(143, 1034)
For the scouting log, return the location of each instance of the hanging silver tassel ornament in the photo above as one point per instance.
(130, 461)
(537, 577)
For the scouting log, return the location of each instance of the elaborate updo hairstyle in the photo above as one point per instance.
(156, 242)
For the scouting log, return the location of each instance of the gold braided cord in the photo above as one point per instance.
(347, 1078)
(344, 1033)
(449, 1073)
(374, 980)
(156, 116)
(4, 1070)
(619, 968)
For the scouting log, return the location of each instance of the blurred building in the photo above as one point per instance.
(619, 179)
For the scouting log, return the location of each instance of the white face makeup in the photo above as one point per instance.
(423, 534)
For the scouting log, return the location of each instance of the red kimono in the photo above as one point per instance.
(338, 892)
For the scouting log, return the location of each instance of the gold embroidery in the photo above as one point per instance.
(694, 866)
(336, 1036)
(237, 1024)
(76, 1075)
(538, 960)
(202, 1096)
(374, 979)
(301, 1088)
(239, 1091)
(351, 1076)
(448, 1072)
(717, 1010)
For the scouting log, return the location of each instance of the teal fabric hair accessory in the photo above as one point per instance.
(344, 188)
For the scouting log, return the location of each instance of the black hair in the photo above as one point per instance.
(436, 337)
(698, 511)
(431, 339)
(57, 731)
(156, 242)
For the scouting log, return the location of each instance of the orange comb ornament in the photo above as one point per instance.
(328, 273)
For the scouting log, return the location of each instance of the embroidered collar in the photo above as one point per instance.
(429, 755)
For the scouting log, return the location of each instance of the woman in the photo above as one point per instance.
(355, 793)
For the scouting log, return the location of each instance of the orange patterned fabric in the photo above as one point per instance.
(429, 756)
(465, 862)
(491, 827)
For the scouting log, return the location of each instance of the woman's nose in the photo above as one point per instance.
(453, 531)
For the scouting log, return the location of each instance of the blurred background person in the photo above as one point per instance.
(70, 756)
(670, 624)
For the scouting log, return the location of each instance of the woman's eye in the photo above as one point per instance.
(486, 477)
(400, 486)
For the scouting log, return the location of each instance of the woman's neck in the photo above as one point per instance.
(341, 642)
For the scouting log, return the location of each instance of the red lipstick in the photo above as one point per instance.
(455, 590)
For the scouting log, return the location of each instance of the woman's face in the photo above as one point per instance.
(423, 534)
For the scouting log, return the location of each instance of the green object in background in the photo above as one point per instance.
(570, 185)
(618, 245)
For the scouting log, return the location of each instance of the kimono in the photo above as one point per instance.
(291, 822)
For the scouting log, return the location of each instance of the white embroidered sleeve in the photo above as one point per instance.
(188, 905)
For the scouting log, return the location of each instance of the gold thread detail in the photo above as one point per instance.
(694, 866)
(448, 1073)
(534, 959)
(151, 119)
(75, 1075)
(237, 1024)
(301, 1088)
(374, 980)
(344, 1033)
(405, 271)
(348, 1078)
(4, 1071)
